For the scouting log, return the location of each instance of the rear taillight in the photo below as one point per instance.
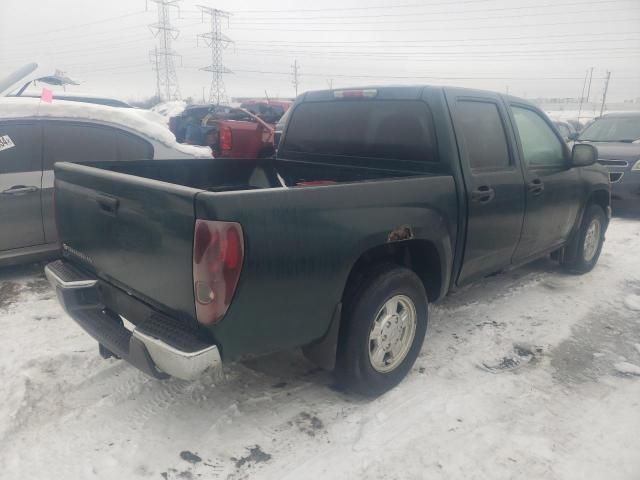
(218, 253)
(226, 141)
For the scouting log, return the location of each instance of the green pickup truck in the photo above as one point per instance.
(379, 202)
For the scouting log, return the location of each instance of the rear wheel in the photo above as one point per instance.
(590, 239)
(383, 328)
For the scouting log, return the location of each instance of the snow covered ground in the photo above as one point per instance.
(533, 374)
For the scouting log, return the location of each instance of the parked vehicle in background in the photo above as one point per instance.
(617, 136)
(35, 135)
(271, 111)
(378, 202)
(576, 124)
(567, 131)
(229, 132)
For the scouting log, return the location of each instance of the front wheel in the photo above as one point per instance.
(590, 239)
(383, 327)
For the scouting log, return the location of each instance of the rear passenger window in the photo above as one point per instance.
(20, 147)
(131, 147)
(74, 142)
(393, 129)
(65, 142)
(483, 134)
(540, 146)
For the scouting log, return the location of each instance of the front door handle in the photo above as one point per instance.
(483, 194)
(536, 187)
(20, 190)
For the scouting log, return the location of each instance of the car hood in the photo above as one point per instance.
(617, 150)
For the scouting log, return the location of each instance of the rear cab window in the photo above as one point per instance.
(384, 129)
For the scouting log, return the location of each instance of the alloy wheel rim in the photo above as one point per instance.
(591, 240)
(392, 333)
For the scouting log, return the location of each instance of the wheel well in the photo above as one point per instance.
(600, 197)
(420, 256)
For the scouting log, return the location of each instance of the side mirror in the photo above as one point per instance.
(574, 136)
(583, 155)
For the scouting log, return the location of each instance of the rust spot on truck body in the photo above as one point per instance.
(404, 232)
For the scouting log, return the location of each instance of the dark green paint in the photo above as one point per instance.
(135, 221)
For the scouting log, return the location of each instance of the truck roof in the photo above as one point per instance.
(399, 92)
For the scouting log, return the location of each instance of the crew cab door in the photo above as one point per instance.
(553, 188)
(20, 185)
(493, 181)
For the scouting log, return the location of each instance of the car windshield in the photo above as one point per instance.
(613, 129)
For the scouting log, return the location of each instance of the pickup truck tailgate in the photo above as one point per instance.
(135, 233)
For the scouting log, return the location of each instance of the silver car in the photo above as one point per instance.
(35, 135)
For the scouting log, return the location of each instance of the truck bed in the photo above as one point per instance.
(221, 175)
(132, 225)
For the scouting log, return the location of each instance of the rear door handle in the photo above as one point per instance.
(483, 194)
(107, 204)
(536, 187)
(19, 190)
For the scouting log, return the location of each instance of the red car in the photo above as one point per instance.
(230, 132)
(268, 110)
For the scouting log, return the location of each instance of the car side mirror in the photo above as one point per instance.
(583, 155)
(573, 136)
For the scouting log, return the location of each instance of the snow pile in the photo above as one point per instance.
(626, 368)
(141, 121)
(169, 109)
(632, 302)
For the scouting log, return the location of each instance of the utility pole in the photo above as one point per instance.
(589, 84)
(604, 94)
(162, 58)
(584, 85)
(330, 83)
(217, 41)
(296, 75)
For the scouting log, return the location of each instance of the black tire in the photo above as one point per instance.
(578, 258)
(354, 370)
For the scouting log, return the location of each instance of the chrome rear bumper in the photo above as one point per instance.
(157, 345)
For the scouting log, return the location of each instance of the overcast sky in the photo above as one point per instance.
(530, 47)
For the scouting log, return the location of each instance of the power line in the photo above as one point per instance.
(476, 27)
(450, 16)
(378, 7)
(162, 58)
(217, 41)
(107, 45)
(495, 55)
(79, 25)
(447, 42)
